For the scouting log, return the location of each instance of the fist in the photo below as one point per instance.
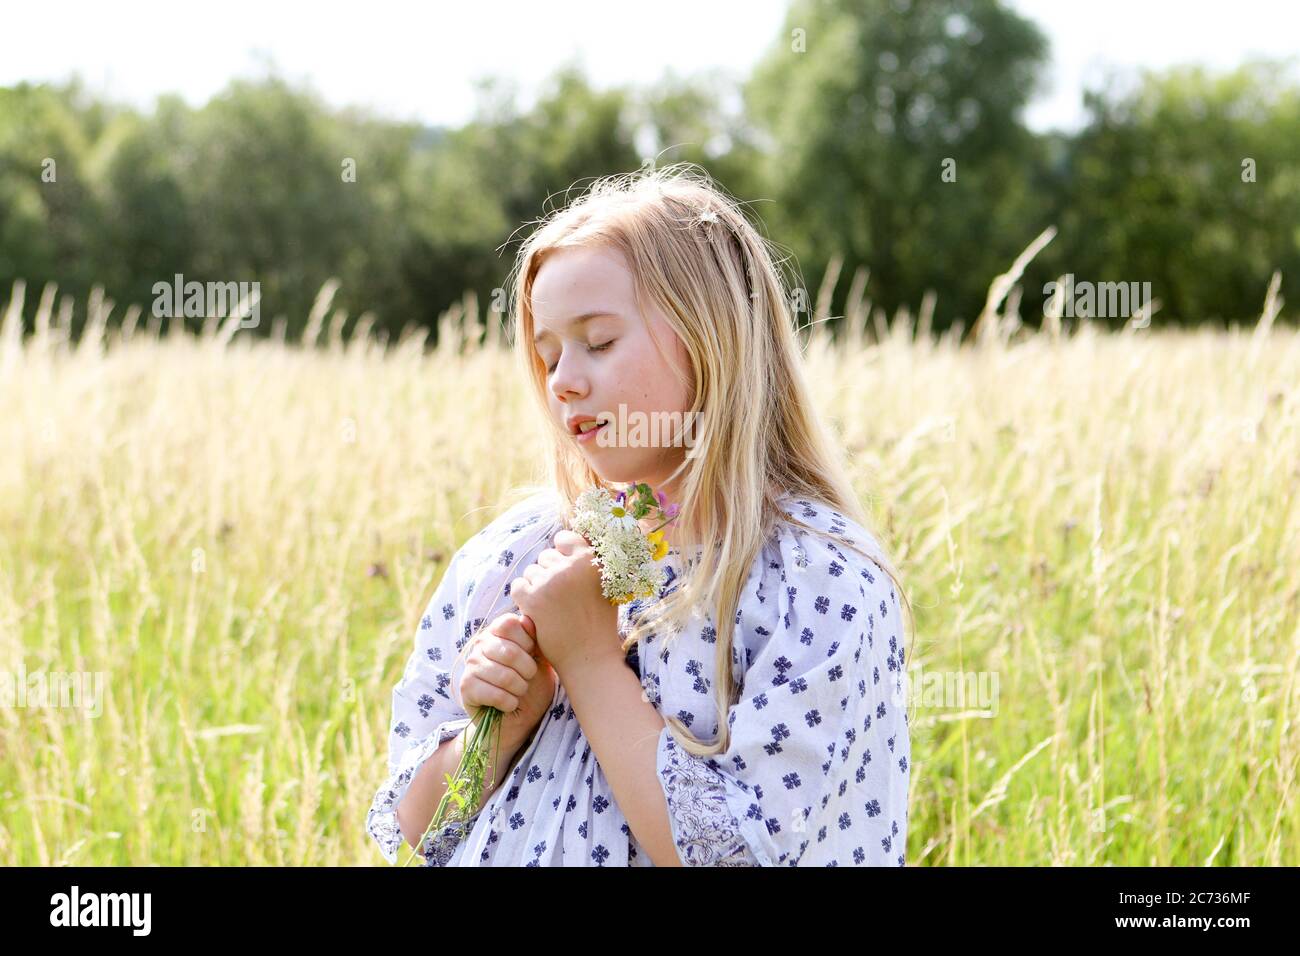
(505, 669)
(561, 594)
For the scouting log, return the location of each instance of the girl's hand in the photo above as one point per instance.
(506, 670)
(561, 593)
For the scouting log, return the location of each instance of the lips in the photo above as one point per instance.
(574, 423)
(586, 436)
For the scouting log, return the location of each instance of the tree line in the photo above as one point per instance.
(885, 132)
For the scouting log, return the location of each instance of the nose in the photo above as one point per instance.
(568, 381)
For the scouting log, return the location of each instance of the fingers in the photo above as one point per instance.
(504, 657)
(476, 692)
(535, 651)
(517, 628)
(520, 587)
(499, 674)
(504, 651)
(566, 541)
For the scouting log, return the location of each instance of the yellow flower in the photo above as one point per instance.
(660, 545)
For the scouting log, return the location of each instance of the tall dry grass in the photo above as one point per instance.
(240, 535)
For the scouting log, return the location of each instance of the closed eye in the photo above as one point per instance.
(590, 348)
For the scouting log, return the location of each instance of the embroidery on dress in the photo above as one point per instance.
(707, 833)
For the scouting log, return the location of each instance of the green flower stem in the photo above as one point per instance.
(465, 789)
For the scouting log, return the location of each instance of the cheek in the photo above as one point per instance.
(663, 395)
(666, 384)
(652, 386)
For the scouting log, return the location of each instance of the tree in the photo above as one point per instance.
(867, 103)
(1190, 182)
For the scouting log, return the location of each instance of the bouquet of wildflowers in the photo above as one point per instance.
(627, 558)
(626, 555)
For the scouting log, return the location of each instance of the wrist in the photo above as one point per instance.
(594, 657)
(513, 737)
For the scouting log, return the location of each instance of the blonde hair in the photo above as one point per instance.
(692, 251)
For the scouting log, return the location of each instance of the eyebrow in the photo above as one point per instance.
(578, 320)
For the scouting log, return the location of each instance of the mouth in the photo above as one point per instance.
(587, 430)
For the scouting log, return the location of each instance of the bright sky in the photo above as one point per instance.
(418, 60)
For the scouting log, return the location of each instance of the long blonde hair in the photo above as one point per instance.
(692, 251)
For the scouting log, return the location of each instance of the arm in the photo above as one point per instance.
(623, 729)
(427, 711)
(815, 771)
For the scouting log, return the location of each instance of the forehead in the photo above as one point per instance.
(573, 281)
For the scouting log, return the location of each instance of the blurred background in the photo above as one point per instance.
(401, 148)
(220, 537)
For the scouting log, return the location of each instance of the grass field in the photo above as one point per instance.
(239, 537)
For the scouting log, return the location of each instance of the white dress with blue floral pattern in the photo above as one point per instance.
(816, 771)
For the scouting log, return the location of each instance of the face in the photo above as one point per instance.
(596, 364)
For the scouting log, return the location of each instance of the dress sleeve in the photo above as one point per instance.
(427, 709)
(426, 713)
(815, 770)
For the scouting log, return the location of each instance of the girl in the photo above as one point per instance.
(648, 735)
